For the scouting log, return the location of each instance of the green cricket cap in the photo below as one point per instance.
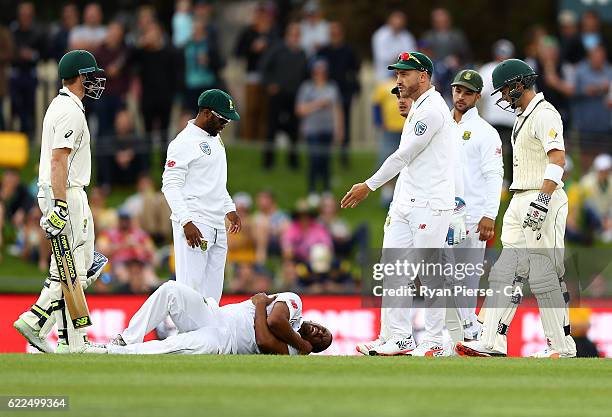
(220, 102)
(413, 61)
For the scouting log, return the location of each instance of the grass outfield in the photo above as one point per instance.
(308, 386)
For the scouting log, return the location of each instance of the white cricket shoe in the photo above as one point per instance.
(396, 345)
(365, 347)
(551, 353)
(87, 347)
(32, 336)
(117, 341)
(431, 349)
(477, 349)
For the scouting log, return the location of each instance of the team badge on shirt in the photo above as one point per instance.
(419, 128)
(466, 135)
(205, 148)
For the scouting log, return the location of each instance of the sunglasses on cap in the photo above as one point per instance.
(224, 120)
(405, 56)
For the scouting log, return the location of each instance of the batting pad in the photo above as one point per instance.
(555, 321)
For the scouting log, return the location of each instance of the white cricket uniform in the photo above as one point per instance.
(423, 200)
(65, 126)
(195, 186)
(204, 327)
(537, 130)
(483, 173)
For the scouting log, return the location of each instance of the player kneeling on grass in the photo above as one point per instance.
(263, 324)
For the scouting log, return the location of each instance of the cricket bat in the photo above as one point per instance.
(74, 296)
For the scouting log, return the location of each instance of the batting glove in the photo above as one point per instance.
(537, 211)
(457, 231)
(54, 222)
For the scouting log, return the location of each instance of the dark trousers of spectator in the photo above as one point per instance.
(253, 125)
(281, 116)
(106, 109)
(344, 146)
(319, 150)
(23, 93)
(505, 134)
(156, 114)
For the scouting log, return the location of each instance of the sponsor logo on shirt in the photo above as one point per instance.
(68, 134)
(419, 128)
(293, 303)
(466, 135)
(205, 147)
(170, 163)
(498, 151)
(422, 226)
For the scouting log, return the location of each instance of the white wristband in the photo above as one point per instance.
(554, 173)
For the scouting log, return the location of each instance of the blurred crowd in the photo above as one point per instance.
(301, 79)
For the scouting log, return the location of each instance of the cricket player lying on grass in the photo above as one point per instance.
(263, 324)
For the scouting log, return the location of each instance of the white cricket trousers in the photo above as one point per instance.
(413, 228)
(201, 327)
(198, 268)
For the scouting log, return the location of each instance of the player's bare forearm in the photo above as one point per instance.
(278, 321)
(265, 339)
(557, 157)
(59, 172)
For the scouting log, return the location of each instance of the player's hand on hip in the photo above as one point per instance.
(55, 221)
(263, 298)
(356, 195)
(235, 223)
(536, 213)
(486, 229)
(457, 232)
(193, 235)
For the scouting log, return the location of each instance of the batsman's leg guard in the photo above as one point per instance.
(59, 311)
(40, 313)
(555, 322)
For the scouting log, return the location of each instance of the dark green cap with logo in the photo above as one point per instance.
(77, 62)
(469, 79)
(413, 61)
(219, 101)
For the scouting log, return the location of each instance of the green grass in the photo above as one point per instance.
(311, 386)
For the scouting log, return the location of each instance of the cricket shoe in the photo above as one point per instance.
(87, 347)
(32, 336)
(117, 341)
(431, 349)
(396, 345)
(477, 349)
(365, 347)
(551, 353)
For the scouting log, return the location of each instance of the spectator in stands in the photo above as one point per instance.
(253, 42)
(298, 240)
(270, 222)
(122, 159)
(319, 107)
(554, 77)
(146, 17)
(150, 208)
(591, 114)
(389, 41)
(569, 36)
(283, 69)
(124, 243)
(500, 119)
(6, 55)
(105, 218)
(449, 45)
(344, 68)
(140, 280)
(314, 29)
(92, 32)
(590, 37)
(533, 37)
(597, 186)
(580, 320)
(29, 48)
(202, 65)
(112, 55)
(15, 198)
(345, 241)
(390, 123)
(574, 230)
(31, 241)
(61, 32)
(159, 69)
(182, 22)
(203, 10)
